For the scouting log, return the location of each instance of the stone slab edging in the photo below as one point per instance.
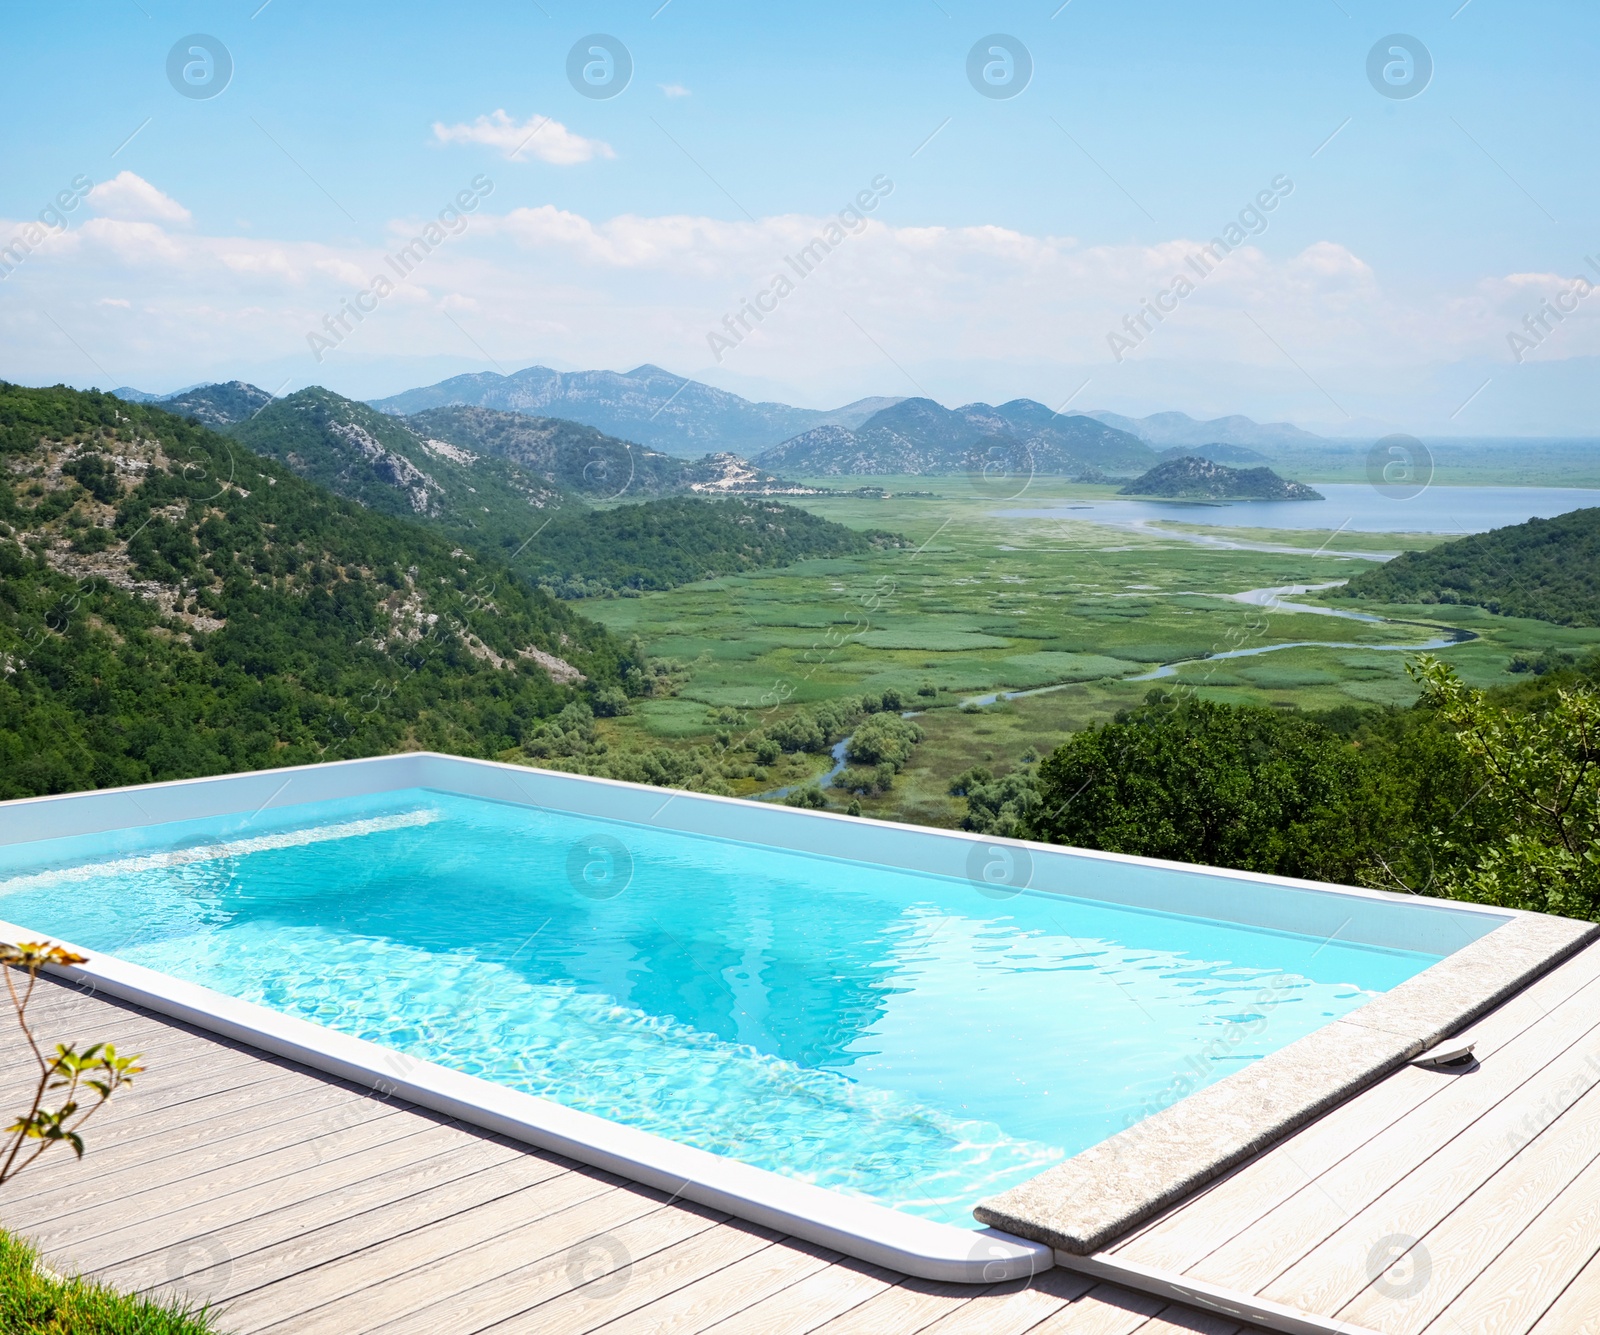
(849, 1224)
(1080, 1206)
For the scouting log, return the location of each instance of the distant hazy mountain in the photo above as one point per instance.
(1192, 478)
(131, 395)
(1181, 429)
(919, 436)
(216, 405)
(648, 405)
(1218, 454)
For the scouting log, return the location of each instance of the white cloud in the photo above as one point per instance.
(541, 283)
(674, 90)
(539, 136)
(131, 198)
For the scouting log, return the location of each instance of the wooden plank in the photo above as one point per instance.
(126, 1117)
(1184, 1321)
(550, 1240)
(607, 1270)
(1520, 1284)
(1329, 1277)
(1196, 1227)
(1104, 1310)
(651, 1279)
(168, 1084)
(205, 1260)
(1254, 1257)
(302, 1273)
(175, 1148)
(706, 1301)
(163, 1072)
(1481, 1223)
(97, 1023)
(186, 1151)
(812, 1302)
(1011, 1309)
(143, 1037)
(910, 1305)
(211, 1202)
(1577, 1310)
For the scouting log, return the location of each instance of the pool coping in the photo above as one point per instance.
(1071, 1209)
(1080, 1205)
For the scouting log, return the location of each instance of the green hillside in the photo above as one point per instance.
(381, 462)
(1193, 477)
(172, 605)
(582, 460)
(1548, 569)
(665, 543)
(508, 485)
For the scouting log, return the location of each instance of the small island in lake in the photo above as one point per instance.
(1192, 478)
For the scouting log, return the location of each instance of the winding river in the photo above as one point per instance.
(1273, 599)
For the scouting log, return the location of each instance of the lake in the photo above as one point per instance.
(1351, 506)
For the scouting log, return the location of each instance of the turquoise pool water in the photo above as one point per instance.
(896, 1035)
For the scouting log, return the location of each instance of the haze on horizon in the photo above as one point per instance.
(1416, 255)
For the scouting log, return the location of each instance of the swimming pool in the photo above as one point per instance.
(911, 1020)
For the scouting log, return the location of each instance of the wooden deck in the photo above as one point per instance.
(1431, 1202)
(294, 1203)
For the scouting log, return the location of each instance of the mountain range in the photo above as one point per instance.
(524, 489)
(648, 405)
(1180, 429)
(657, 416)
(919, 436)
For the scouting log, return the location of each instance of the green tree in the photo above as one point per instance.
(1221, 785)
(1540, 772)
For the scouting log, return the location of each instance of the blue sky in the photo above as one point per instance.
(1014, 243)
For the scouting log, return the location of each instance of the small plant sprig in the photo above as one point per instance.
(84, 1080)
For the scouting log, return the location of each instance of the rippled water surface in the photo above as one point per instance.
(896, 1035)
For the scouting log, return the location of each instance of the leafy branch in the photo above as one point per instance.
(82, 1081)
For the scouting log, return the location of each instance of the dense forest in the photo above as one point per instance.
(665, 543)
(173, 605)
(1547, 568)
(1492, 797)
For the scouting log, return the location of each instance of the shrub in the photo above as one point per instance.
(809, 797)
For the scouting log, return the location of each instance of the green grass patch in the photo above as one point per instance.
(1276, 678)
(930, 641)
(33, 1302)
(1043, 668)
